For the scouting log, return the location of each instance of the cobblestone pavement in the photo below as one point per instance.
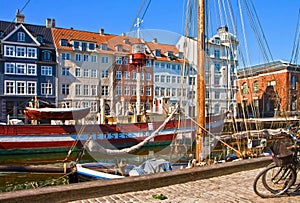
(236, 187)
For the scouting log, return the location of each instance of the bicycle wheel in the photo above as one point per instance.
(273, 181)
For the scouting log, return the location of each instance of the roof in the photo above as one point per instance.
(78, 35)
(35, 30)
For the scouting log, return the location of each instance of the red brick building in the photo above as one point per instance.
(269, 90)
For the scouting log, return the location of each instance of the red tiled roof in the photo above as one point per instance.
(71, 34)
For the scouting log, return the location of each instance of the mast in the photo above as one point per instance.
(200, 81)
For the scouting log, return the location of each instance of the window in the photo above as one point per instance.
(127, 90)
(192, 80)
(65, 89)
(83, 46)
(9, 68)
(217, 53)
(65, 71)
(46, 70)
(103, 46)
(104, 74)
(91, 46)
(255, 86)
(217, 80)
(76, 45)
(125, 60)
(244, 88)
(126, 75)
(86, 90)
(46, 55)
(20, 52)
(148, 76)
(40, 39)
(65, 56)
(173, 92)
(94, 59)
(173, 79)
(64, 42)
(21, 37)
(104, 91)
(9, 50)
(119, 75)
(118, 90)
(142, 90)
(217, 67)
(31, 53)
(94, 90)
(133, 75)
(31, 88)
(148, 91)
(104, 59)
(162, 78)
(133, 90)
(156, 78)
(119, 60)
(93, 73)
(77, 89)
(9, 87)
(294, 82)
(217, 95)
(86, 73)
(77, 72)
(20, 69)
(148, 63)
(93, 106)
(156, 91)
(217, 108)
(20, 87)
(78, 57)
(31, 69)
(168, 79)
(85, 57)
(157, 52)
(46, 88)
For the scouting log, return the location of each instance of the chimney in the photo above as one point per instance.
(154, 40)
(53, 23)
(48, 23)
(19, 17)
(101, 31)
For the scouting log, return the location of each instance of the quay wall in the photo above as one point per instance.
(93, 189)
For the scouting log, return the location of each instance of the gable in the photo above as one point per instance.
(21, 35)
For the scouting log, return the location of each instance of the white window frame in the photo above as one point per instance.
(21, 37)
(78, 57)
(9, 50)
(86, 91)
(85, 57)
(148, 91)
(21, 84)
(118, 90)
(86, 73)
(13, 87)
(119, 60)
(94, 73)
(94, 59)
(31, 69)
(104, 59)
(65, 71)
(46, 70)
(119, 75)
(65, 56)
(77, 72)
(93, 90)
(21, 50)
(46, 88)
(6, 71)
(31, 53)
(28, 88)
(23, 69)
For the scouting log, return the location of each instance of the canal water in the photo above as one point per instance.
(12, 181)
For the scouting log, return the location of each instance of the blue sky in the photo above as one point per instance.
(278, 18)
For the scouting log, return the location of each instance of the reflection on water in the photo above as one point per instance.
(12, 181)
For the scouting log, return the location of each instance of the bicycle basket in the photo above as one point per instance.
(281, 155)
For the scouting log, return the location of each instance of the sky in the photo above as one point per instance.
(278, 18)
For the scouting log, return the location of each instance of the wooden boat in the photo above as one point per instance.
(55, 113)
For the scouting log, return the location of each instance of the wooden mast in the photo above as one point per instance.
(200, 81)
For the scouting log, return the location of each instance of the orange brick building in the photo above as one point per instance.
(268, 90)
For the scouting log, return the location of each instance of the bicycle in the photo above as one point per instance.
(280, 177)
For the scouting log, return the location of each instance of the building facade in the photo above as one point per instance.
(27, 67)
(220, 70)
(268, 90)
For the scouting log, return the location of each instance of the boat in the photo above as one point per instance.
(55, 113)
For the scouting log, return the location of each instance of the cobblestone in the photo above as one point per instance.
(236, 187)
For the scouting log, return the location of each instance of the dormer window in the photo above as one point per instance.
(157, 52)
(180, 55)
(64, 42)
(103, 46)
(40, 39)
(169, 53)
(83, 46)
(119, 48)
(76, 45)
(91, 46)
(46, 55)
(21, 37)
(126, 41)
